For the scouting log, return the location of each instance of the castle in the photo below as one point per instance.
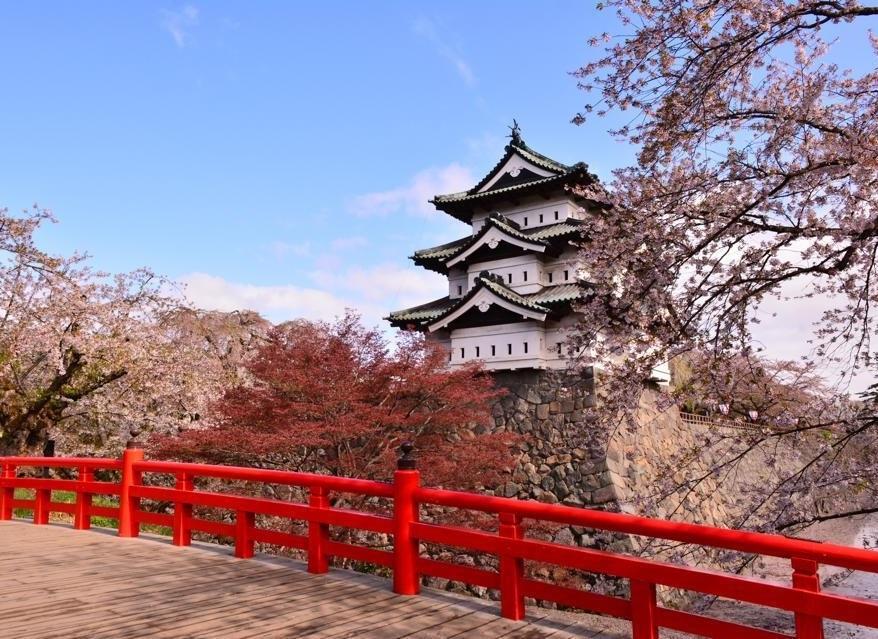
(513, 283)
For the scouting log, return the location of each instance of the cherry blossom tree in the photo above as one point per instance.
(333, 397)
(756, 173)
(755, 180)
(88, 359)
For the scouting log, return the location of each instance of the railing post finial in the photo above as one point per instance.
(407, 460)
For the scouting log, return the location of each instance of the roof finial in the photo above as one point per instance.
(515, 132)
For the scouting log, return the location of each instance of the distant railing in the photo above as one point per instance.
(720, 422)
(510, 544)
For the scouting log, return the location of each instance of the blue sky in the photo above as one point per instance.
(290, 146)
(278, 156)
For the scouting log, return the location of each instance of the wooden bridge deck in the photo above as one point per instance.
(57, 582)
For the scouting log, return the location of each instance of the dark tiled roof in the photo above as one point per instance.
(427, 311)
(574, 177)
(556, 294)
(469, 196)
(496, 285)
(443, 250)
(541, 301)
(435, 257)
(519, 148)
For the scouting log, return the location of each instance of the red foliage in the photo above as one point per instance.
(333, 397)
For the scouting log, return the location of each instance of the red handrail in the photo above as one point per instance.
(510, 545)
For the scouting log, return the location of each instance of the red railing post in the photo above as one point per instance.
(7, 493)
(511, 570)
(183, 512)
(244, 523)
(318, 533)
(82, 514)
(406, 481)
(41, 506)
(805, 577)
(643, 610)
(129, 505)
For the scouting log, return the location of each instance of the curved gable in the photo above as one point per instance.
(515, 170)
(483, 298)
(491, 236)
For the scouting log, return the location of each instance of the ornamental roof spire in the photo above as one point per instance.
(515, 133)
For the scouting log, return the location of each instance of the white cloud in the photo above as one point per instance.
(277, 303)
(372, 291)
(786, 326)
(427, 30)
(413, 198)
(179, 23)
(384, 284)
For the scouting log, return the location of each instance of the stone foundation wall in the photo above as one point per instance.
(647, 469)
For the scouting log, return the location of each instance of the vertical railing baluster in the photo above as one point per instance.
(183, 512)
(318, 533)
(244, 523)
(82, 512)
(643, 610)
(511, 570)
(42, 501)
(7, 493)
(806, 577)
(406, 481)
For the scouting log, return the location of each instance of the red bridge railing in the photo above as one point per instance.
(802, 596)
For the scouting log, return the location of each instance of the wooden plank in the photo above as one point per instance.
(57, 582)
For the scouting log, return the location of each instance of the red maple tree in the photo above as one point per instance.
(335, 398)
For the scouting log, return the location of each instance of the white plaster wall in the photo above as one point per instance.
(564, 207)
(458, 283)
(542, 341)
(514, 266)
(532, 264)
(476, 343)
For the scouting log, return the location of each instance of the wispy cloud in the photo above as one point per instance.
(180, 22)
(346, 243)
(412, 199)
(426, 28)
(282, 250)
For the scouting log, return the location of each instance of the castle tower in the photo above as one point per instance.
(513, 282)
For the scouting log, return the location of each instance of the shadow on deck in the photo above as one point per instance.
(58, 582)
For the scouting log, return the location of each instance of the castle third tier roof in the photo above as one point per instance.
(519, 173)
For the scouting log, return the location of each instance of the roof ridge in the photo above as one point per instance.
(447, 245)
(540, 158)
(492, 280)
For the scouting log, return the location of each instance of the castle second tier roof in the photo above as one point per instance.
(498, 229)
